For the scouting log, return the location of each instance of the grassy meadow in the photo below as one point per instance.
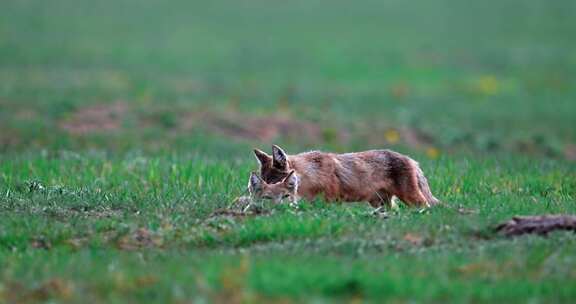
(125, 126)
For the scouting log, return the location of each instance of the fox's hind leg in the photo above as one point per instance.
(413, 197)
(409, 192)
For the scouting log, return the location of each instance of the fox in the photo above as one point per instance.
(375, 176)
(259, 190)
(287, 188)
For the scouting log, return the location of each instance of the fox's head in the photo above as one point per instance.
(273, 168)
(285, 189)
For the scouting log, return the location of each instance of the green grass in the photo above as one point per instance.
(76, 222)
(125, 124)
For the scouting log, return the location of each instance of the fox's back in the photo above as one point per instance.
(349, 176)
(365, 162)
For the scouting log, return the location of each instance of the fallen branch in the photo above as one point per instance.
(540, 225)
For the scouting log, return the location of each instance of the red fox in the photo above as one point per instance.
(277, 192)
(374, 176)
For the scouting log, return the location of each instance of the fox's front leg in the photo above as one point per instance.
(246, 203)
(248, 206)
(294, 202)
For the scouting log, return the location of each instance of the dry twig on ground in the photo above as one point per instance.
(541, 225)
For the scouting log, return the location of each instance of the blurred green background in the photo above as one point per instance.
(217, 78)
(126, 126)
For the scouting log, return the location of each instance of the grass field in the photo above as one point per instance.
(124, 125)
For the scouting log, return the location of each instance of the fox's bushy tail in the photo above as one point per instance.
(425, 188)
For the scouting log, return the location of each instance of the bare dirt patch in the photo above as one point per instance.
(239, 213)
(96, 119)
(141, 238)
(409, 136)
(416, 138)
(51, 289)
(570, 152)
(238, 126)
(41, 243)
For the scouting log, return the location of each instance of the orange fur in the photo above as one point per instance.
(374, 176)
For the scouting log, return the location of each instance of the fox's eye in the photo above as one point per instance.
(286, 196)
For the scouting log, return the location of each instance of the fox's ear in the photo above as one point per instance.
(279, 158)
(262, 157)
(255, 182)
(291, 181)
